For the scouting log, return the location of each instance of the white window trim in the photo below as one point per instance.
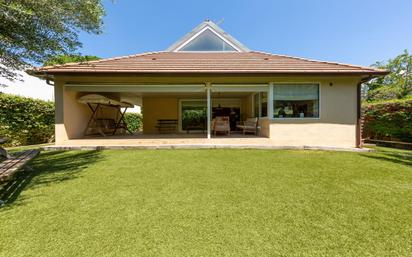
(214, 32)
(297, 83)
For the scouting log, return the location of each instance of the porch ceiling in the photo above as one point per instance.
(186, 95)
(156, 89)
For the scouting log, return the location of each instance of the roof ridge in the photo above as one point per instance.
(98, 61)
(320, 61)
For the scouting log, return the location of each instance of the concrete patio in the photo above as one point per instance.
(182, 141)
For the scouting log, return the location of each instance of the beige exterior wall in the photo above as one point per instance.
(155, 108)
(313, 134)
(60, 129)
(335, 127)
(247, 106)
(264, 125)
(75, 114)
(72, 117)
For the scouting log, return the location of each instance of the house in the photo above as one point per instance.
(209, 74)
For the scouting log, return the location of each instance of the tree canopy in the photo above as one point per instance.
(396, 85)
(32, 31)
(62, 59)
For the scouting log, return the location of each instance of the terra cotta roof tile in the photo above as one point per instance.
(209, 62)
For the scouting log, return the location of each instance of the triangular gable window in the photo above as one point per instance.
(208, 41)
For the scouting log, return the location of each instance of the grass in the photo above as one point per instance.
(211, 203)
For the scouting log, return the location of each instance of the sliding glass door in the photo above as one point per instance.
(260, 101)
(194, 115)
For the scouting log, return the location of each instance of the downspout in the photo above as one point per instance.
(48, 81)
(359, 143)
(48, 78)
(42, 75)
(358, 116)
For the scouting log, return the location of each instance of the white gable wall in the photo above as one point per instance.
(215, 29)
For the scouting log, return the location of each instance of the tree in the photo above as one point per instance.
(396, 85)
(62, 59)
(32, 31)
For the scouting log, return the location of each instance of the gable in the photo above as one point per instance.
(207, 37)
(207, 40)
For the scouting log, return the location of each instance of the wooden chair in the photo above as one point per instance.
(221, 124)
(249, 126)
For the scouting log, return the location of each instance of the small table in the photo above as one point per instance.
(3, 152)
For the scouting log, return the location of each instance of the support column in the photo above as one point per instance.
(60, 133)
(358, 116)
(209, 110)
(270, 100)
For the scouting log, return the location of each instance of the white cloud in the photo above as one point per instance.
(30, 87)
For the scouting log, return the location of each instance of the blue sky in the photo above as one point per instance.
(358, 32)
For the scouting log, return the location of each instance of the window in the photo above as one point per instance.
(194, 114)
(207, 41)
(260, 101)
(296, 101)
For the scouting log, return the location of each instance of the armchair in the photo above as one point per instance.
(249, 125)
(221, 124)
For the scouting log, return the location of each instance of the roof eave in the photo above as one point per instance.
(44, 74)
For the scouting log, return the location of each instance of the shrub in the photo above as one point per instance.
(26, 121)
(390, 120)
(193, 117)
(134, 121)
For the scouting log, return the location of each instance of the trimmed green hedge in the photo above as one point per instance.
(26, 121)
(390, 120)
(134, 121)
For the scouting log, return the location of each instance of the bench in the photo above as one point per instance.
(3, 152)
(14, 163)
(166, 126)
(195, 127)
(387, 143)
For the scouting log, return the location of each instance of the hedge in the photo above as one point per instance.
(26, 121)
(134, 121)
(388, 121)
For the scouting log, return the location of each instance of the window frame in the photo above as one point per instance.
(214, 32)
(298, 83)
(259, 104)
(207, 41)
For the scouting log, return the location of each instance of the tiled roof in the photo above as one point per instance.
(209, 62)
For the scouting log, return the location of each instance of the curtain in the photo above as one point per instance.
(296, 92)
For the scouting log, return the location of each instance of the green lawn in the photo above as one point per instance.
(211, 203)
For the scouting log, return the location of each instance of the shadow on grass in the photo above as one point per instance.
(399, 157)
(48, 168)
